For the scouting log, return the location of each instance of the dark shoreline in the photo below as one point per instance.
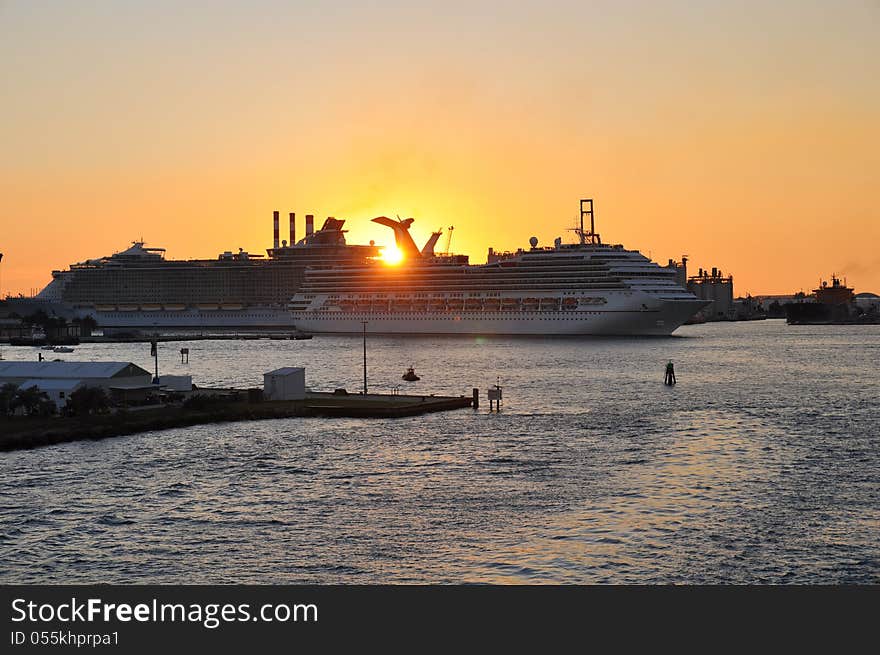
(23, 433)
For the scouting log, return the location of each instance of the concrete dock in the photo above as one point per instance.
(379, 405)
(23, 432)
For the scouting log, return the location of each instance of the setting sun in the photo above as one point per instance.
(392, 255)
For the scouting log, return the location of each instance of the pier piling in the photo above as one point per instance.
(494, 395)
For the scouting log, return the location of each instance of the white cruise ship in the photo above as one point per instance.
(585, 288)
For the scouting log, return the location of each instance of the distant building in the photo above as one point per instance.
(766, 301)
(868, 302)
(713, 286)
(681, 270)
(748, 308)
(10, 323)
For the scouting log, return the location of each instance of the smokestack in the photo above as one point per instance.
(275, 225)
(292, 228)
(310, 224)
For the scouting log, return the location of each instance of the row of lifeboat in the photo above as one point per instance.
(169, 307)
(466, 304)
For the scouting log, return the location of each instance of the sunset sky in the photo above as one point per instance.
(744, 134)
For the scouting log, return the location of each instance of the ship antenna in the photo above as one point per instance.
(582, 222)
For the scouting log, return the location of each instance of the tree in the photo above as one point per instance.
(86, 401)
(32, 400)
(7, 399)
(46, 407)
(87, 325)
(37, 318)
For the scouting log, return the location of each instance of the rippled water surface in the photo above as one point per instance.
(761, 465)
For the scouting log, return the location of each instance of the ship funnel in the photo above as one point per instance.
(275, 227)
(292, 228)
(402, 236)
(310, 224)
(428, 248)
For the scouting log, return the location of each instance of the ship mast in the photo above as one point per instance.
(591, 236)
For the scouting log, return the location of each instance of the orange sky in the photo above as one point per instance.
(742, 135)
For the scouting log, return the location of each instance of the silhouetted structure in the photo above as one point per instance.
(138, 287)
(714, 287)
(833, 303)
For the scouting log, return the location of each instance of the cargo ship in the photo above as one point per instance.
(830, 304)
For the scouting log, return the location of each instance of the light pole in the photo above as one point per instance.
(365, 357)
(154, 351)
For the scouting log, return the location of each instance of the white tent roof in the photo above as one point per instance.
(65, 370)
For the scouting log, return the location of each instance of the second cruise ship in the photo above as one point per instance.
(140, 288)
(584, 288)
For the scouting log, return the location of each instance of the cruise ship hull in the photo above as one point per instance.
(164, 317)
(661, 320)
(256, 317)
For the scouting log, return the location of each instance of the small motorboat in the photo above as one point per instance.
(410, 375)
(62, 349)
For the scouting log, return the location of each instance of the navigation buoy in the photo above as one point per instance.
(669, 379)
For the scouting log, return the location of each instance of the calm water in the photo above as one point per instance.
(761, 465)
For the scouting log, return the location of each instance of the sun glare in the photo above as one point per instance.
(392, 255)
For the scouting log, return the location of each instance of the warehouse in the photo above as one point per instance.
(123, 381)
